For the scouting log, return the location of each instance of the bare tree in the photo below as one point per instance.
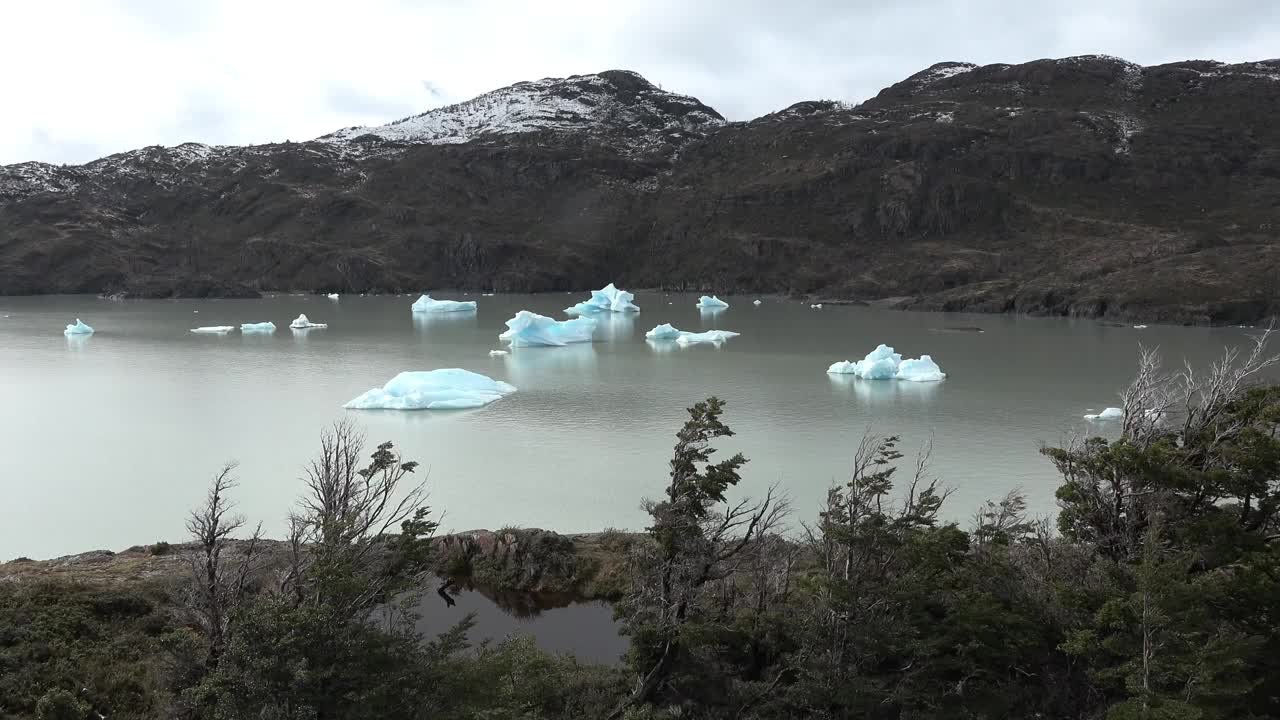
(219, 582)
(345, 552)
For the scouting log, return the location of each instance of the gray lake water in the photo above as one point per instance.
(107, 441)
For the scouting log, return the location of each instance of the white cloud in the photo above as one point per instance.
(90, 77)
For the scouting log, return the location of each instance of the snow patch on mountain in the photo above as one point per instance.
(613, 101)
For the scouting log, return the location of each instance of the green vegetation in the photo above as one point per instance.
(1155, 597)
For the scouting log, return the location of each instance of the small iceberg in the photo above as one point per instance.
(447, 389)
(712, 303)
(755, 302)
(1111, 413)
(1139, 327)
(816, 306)
(528, 329)
(711, 336)
(498, 353)
(664, 332)
(302, 323)
(213, 330)
(606, 299)
(258, 327)
(426, 304)
(79, 328)
(885, 364)
(332, 296)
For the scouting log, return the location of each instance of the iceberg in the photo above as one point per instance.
(606, 299)
(427, 304)
(302, 323)
(213, 329)
(711, 336)
(332, 296)
(711, 303)
(529, 329)
(1111, 413)
(755, 302)
(817, 306)
(447, 389)
(258, 327)
(885, 364)
(79, 328)
(498, 353)
(664, 332)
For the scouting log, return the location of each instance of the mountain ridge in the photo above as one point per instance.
(1083, 186)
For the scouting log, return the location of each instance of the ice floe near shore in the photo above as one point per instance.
(78, 328)
(606, 299)
(712, 303)
(885, 364)
(528, 329)
(213, 329)
(302, 323)
(445, 389)
(258, 327)
(427, 304)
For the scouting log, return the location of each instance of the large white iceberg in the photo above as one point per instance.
(665, 331)
(258, 327)
(447, 389)
(427, 304)
(79, 328)
(302, 323)
(213, 329)
(607, 299)
(1111, 413)
(710, 336)
(529, 329)
(711, 303)
(885, 364)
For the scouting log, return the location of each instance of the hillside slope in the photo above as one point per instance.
(1086, 186)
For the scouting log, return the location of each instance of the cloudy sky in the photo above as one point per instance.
(85, 78)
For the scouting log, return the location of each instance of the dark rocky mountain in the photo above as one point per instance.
(1084, 186)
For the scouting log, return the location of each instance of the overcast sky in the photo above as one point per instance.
(85, 78)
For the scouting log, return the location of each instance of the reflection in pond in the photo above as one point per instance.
(556, 622)
(423, 321)
(531, 364)
(614, 327)
(874, 392)
(77, 342)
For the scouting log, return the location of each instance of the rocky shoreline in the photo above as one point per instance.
(526, 560)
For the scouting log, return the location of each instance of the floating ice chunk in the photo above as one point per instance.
(426, 304)
(711, 302)
(79, 328)
(447, 389)
(213, 329)
(922, 370)
(258, 327)
(816, 306)
(606, 299)
(1139, 327)
(711, 336)
(302, 323)
(529, 329)
(486, 294)
(664, 332)
(498, 353)
(755, 302)
(885, 364)
(1111, 413)
(332, 296)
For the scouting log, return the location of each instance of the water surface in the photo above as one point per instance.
(107, 441)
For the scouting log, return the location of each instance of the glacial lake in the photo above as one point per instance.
(107, 441)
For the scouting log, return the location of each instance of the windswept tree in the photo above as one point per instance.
(700, 538)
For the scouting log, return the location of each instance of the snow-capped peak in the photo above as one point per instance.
(612, 101)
